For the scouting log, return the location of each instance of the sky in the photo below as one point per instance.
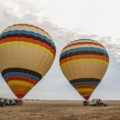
(65, 21)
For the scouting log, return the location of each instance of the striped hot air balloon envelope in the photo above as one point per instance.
(26, 54)
(84, 63)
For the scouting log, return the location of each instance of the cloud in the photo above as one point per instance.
(20, 11)
(12, 12)
(112, 45)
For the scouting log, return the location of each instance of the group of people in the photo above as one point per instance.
(6, 102)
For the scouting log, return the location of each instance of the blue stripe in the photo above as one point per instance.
(85, 83)
(28, 33)
(21, 75)
(84, 49)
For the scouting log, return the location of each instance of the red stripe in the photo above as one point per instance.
(20, 95)
(21, 79)
(81, 43)
(29, 26)
(86, 97)
(28, 40)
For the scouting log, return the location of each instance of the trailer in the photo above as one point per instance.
(2, 103)
(97, 102)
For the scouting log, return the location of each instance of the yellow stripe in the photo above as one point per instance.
(21, 43)
(17, 82)
(85, 90)
(84, 61)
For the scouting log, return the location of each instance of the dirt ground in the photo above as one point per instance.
(60, 110)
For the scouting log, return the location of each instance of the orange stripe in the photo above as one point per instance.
(83, 57)
(85, 86)
(19, 89)
(28, 40)
(81, 43)
(85, 93)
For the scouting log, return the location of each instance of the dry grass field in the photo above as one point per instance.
(60, 110)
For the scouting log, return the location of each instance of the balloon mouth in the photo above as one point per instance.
(86, 97)
(21, 80)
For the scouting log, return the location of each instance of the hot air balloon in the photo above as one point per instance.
(84, 63)
(26, 54)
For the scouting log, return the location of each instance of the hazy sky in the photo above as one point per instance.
(67, 20)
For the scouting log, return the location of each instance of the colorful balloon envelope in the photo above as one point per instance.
(26, 54)
(84, 63)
